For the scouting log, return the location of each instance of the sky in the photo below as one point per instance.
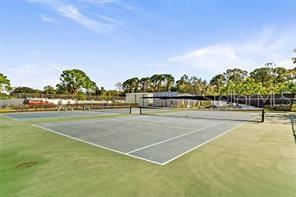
(113, 40)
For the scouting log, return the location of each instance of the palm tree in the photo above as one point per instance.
(144, 83)
(127, 86)
(131, 85)
(156, 81)
(135, 84)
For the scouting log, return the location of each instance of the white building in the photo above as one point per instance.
(148, 99)
(139, 98)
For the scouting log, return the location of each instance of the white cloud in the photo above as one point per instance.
(115, 2)
(214, 57)
(103, 1)
(48, 19)
(270, 45)
(72, 12)
(108, 19)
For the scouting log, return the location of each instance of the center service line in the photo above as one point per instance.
(173, 138)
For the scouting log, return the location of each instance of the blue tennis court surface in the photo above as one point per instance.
(155, 139)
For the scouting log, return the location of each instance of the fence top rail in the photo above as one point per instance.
(66, 96)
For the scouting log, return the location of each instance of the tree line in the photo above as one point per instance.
(266, 79)
(73, 82)
(269, 78)
(263, 80)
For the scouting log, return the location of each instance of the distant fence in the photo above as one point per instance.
(46, 102)
(25, 101)
(11, 102)
(276, 102)
(66, 96)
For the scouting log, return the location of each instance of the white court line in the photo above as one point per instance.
(65, 123)
(127, 154)
(11, 118)
(106, 148)
(32, 112)
(118, 119)
(161, 123)
(204, 143)
(52, 111)
(173, 138)
(90, 113)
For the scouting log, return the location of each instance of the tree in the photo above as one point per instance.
(144, 84)
(157, 81)
(110, 93)
(4, 84)
(48, 90)
(27, 90)
(131, 85)
(235, 75)
(61, 90)
(127, 86)
(168, 81)
(280, 75)
(234, 78)
(218, 82)
(183, 84)
(287, 87)
(74, 81)
(135, 84)
(263, 75)
(250, 87)
(90, 87)
(99, 91)
(198, 86)
(291, 74)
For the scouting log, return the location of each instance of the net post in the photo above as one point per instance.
(130, 109)
(140, 110)
(262, 115)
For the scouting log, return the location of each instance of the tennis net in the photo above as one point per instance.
(256, 115)
(111, 109)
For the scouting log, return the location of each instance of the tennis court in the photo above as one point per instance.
(58, 114)
(254, 114)
(157, 139)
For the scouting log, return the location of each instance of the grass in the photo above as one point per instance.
(257, 159)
